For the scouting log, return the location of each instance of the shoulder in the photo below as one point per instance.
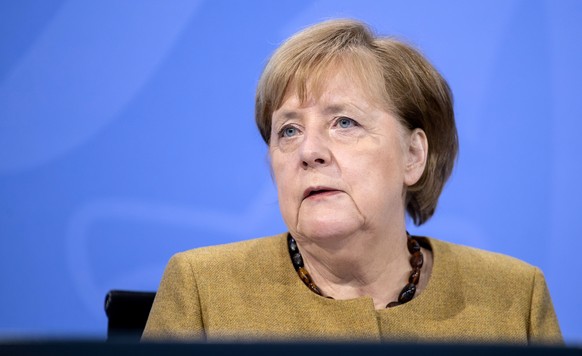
(513, 291)
(477, 262)
(488, 295)
(233, 251)
(238, 260)
(485, 278)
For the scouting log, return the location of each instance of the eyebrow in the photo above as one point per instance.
(288, 114)
(334, 109)
(331, 109)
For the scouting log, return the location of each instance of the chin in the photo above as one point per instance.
(326, 230)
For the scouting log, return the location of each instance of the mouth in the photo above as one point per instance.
(318, 191)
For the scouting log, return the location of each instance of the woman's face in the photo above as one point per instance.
(342, 162)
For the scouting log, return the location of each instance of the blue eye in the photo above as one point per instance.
(288, 131)
(345, 122)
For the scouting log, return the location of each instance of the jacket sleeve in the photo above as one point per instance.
(176, 313)
(543, 323)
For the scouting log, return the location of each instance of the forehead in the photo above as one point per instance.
(332, 95)
(338, 84)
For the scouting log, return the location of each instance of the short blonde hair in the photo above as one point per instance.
(408, 84)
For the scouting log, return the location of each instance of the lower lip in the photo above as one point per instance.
(323, 195)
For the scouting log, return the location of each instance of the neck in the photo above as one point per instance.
(362, 264)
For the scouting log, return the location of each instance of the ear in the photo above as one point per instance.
(416, 156)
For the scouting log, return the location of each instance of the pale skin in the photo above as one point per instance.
(342, 163)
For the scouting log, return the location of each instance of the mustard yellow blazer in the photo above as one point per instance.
(250, 291)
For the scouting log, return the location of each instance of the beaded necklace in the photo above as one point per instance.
(407, 293)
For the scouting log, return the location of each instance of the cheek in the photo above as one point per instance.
(375, 176)
(288, 206)
(284, 179)
(278, 169)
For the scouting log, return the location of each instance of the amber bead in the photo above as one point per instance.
(315, 289)
(407, 293)
(393, 304)
(302, 272)
(414, 276)
(416, 260)
(413, 246)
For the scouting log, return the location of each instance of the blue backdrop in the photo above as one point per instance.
(127, 134)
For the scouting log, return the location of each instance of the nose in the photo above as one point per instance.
(314, 151)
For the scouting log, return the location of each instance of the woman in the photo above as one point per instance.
(360, 131)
